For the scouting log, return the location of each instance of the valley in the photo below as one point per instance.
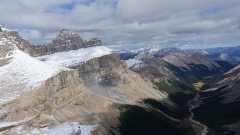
(194, 103)
(188, 80)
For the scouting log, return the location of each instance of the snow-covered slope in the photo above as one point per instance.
(74, 57)
(132, 62)
(22, 74)
(66, 128)
(135, 64)
(70, 128)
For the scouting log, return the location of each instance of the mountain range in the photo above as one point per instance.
(72, 86)
(229, 54)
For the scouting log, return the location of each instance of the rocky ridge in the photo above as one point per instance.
(187, 62)
(73, 94)
(228, 86)
(65, 41)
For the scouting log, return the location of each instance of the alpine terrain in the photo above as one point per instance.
(76, 87)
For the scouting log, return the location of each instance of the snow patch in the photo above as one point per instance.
(132, 62)
(22, 74)
(3, 28)
(25, 130)
(135, 64)
(69, 128)
(75, 57)
(224, 56)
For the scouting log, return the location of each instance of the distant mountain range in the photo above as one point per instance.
(230, 54)
(180, 72)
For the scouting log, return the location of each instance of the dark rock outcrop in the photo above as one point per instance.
(106, 70)
(153, 68)
(6, 46)
(65, 41)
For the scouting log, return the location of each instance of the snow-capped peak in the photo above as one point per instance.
(65, 33)
(224, 56)
(3, 28)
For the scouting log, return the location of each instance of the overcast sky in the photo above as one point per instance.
(124, 23)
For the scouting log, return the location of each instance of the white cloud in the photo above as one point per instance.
(139, 22)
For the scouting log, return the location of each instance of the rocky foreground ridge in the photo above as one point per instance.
(88, 93)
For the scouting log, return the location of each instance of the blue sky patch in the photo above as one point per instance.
(88, 2)
(210, 11)
(68, 6)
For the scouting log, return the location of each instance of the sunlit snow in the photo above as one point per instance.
(22, 74)
(74, 57)
(132, 62)
(69, 128)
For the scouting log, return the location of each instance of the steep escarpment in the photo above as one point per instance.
(227, 88)
(105, 69)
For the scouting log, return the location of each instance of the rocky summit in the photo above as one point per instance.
(65, 41)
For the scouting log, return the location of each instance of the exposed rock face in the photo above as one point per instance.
(16, 39)
(188, 62)
(228, 86)
(104, 69)
(4, 52)
(153, 68)
(6, 46)
(65, 41)
(148, 66)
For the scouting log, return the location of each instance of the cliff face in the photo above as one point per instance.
(106, 69)
(65, 41)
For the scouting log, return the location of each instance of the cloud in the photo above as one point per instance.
(128, 22)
